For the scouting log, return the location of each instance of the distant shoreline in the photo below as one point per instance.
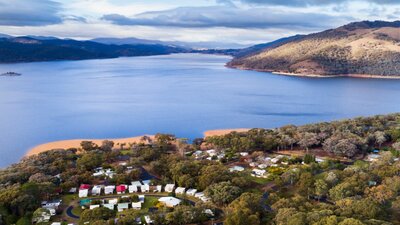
(76, 143)
(363, 76)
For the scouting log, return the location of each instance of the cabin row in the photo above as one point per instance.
(137, 186)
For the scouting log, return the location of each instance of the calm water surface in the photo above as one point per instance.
(184, 94)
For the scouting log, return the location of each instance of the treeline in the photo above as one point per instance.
(347, 138)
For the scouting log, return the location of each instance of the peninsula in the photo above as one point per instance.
(360, 49)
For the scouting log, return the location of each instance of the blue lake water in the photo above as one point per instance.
(183, 94)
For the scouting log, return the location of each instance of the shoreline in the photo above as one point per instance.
(75, 143)
(362, 76)
(220, 132)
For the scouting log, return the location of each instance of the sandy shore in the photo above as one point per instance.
(365, 76)
(76, 143)
(223, 131)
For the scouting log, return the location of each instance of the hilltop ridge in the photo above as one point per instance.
(359, 48)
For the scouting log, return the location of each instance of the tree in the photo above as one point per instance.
(242, 217)
(185, 173)
(99, 222)
(96, 214)
(332, 178)
(24, 221)
(182, 146)
(308, 159)
(341, 191)
(107, 145)
(365, 208)
(299, 218)
(308, 140)
(329, 220)
(381, 193)
(197, 142)
(343, 144)
(380, 137)
(88, 146)
(396, 146)
(290, 216)
(306, 184)
(223, 193)
(213, 174)
(89, 161)
(395, 134)
(129, 217)
(351, 221)
(246, 209)
(321, 188)
(40, 178)
(186, 215)
(164, 141)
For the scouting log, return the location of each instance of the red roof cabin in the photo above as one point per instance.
(84, 186)
(121, 189)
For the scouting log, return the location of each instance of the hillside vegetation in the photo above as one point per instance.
(365, 48)
(28, 49)
(296, 190)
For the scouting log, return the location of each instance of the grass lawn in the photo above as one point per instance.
(259, 180)
(67, 199)
(126, 151)
(77, 210)
(149, 201)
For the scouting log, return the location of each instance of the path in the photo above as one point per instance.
(70, 213)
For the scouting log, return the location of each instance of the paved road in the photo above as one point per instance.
(70, 214)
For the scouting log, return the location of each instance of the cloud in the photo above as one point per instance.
(29, 12)
(219, 16)
(302, 3)
(75, 18)
(226, 3)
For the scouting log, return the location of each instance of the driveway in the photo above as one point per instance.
(70, 214)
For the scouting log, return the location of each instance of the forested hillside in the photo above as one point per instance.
(28, 49)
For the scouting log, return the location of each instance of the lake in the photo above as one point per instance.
(183, 94)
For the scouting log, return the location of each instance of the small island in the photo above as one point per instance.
(10, 74)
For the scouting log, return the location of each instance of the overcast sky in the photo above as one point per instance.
(236, 21)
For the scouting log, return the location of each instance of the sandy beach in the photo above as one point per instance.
(223, 131)
(76, 143)
(364, 76)
(65, 144)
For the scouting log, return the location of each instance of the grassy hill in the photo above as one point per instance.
(361, 48)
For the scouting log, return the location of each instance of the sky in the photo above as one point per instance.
(245, 22)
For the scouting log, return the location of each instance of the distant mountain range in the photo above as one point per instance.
(46, 48)
(187, 45)
(357, 49)
(36, 48)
